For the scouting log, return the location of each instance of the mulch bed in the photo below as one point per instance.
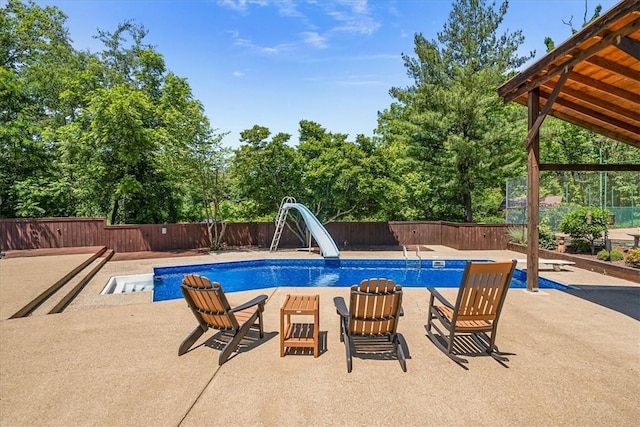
(620, 263)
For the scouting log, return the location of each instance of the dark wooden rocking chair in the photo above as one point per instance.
(482, 292)
(372, 319)
(212, 310)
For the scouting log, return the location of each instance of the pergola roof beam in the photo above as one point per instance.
(605, 87)
(589, 31)
(597, 128)
(543, 114)
(593, 100)
(615, 67)
(604, 118)
(630, 47)
(581, 56)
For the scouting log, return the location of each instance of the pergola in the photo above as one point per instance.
(591, 80)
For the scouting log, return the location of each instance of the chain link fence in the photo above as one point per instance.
(622, 201)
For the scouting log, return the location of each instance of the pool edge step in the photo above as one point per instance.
(75, 291)
(48, 293)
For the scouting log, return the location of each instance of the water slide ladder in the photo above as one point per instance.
(281, 220)
(416, 263)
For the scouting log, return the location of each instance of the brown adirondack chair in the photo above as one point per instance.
(212, 310)
(482, 292)
(371, 321)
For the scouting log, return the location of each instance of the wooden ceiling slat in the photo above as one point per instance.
(619, 136)
(605, 118)
(615, 67)
(576, 58)
(623, 8)
(593, 100)
(605, 87)
(602, 92)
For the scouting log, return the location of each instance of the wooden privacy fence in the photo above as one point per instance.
(21, 234)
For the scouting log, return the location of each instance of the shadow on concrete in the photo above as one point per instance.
(377, 348)
(308, 351)
(469, 345)
(251, 340)
(623, 299)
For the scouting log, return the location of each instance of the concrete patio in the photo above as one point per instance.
(112, 359)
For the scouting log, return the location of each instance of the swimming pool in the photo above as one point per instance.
(258, 274)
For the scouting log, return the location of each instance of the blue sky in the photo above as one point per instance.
(274, 63)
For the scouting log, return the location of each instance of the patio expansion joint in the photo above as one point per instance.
(186, 414)
(198, 396)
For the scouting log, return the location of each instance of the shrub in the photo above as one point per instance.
(616, 255)
(517, 234)
(586, 223)
(580, 246)
(546, 237)
(633, 258)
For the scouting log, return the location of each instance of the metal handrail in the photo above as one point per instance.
(281, 220)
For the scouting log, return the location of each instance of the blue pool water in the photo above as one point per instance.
(258, 274)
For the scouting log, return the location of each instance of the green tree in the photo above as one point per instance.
(120, 143)
(341, 179)
(265, 170)
(95, 134)
(193, 156)
(36, 59)
(586, 223)
(451, 118)
(117, 156)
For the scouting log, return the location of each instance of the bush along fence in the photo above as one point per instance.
(22, 234)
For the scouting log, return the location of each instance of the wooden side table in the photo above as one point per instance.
(297, 334)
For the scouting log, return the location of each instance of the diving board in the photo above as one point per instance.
(555, 263)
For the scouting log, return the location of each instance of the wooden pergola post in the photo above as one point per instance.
(533, 190)
(590, 80)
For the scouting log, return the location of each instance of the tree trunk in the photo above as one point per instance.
(466, 200)
(114, 211)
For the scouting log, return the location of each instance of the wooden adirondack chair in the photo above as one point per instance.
(371, 321)
(212, 310)
(482, 292)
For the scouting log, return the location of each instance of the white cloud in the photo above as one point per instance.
(238, 74)
(288, 8)
(241, 5)
(267, 50)
(360, 6)
(285, 7)
(353, 17)
(314, 39)
(350, 16)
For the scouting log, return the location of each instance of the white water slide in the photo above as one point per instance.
(327, 246)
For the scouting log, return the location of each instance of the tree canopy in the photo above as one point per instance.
(450, 120)
(116, 134)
